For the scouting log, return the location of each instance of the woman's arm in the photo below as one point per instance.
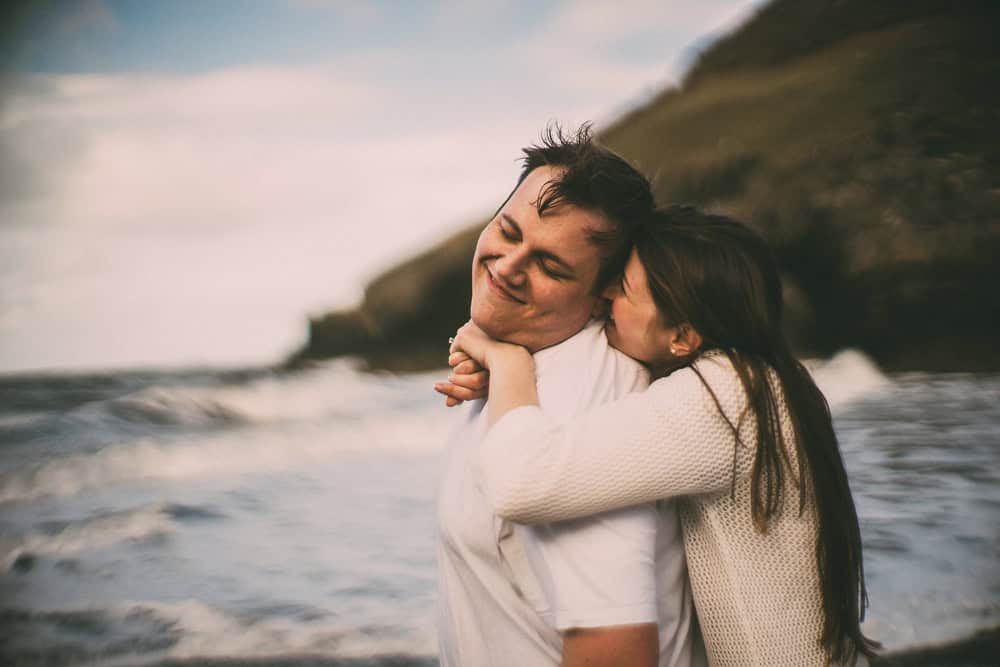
(511, 369)
(667, 441)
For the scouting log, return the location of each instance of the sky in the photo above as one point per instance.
(183, 182)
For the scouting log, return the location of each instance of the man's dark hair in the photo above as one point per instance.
(594, 179)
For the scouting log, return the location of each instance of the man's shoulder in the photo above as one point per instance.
(586, 367)
(588, 344)
(626, 364)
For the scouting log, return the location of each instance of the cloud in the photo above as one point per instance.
(233, 96)
(31, 152)
(590, 21)
(179, 217)
(608, 54)
(357, 12)
(106, 149)
(179, 211)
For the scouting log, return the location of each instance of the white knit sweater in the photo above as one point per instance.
(757, 595)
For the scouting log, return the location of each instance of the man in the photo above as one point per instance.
(606, 590)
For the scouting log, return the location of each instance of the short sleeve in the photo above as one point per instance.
(598, 571)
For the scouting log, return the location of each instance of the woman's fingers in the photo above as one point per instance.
(468, 380)
(467, 367)
(478, 380)
(458, 392)
(456, 358)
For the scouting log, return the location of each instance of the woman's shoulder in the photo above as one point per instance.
(713, 368)
(711, 382)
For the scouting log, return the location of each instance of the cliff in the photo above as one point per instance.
(862, 138)
(407, 314)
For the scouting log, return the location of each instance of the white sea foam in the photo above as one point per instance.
(20, 420)
(208, 632)
(336, 388)
(88, 534)
(229, 453)
(847, 376)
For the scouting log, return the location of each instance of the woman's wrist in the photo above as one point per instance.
(501, 355)
(512, 380)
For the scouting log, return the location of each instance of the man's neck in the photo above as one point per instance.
(555, 343)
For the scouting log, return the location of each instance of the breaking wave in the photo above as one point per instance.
(207, 632)
(192, 633)
(70, 537)
(847, 376)
(332, 390)
(229, 453)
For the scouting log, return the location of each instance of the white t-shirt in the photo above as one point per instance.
(506, 591)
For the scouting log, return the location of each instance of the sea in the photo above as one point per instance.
(265, 517)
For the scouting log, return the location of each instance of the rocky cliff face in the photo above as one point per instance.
(407, 313)
(862, 138)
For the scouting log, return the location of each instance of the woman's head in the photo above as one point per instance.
(696, 281)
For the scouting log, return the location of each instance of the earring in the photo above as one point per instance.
(673, 350)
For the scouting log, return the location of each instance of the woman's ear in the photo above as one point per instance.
(686, 341)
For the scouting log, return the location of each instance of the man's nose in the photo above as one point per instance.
(510, 267)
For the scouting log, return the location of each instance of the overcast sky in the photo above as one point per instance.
(184, 181)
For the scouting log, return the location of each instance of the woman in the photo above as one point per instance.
(732, 425)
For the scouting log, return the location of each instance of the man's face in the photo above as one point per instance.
(533, 277)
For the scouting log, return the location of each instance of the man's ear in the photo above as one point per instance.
(686, 341)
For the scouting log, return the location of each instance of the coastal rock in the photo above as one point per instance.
(407, 313)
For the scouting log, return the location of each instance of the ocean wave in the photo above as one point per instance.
(86, 535)
(21, 420)
(207, 632)
(332, 390)
(81, 637)
(70, 537)
(381, 660)
(846, 377)
(194, 633)
(228, 453)
(165, 406)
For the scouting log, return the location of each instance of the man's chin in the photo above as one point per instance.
(517, 332)
(496, 330)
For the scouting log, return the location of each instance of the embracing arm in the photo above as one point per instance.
(510, 370)
(515, 385)
(667, 441)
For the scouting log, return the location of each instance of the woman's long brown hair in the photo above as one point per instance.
(721, 278)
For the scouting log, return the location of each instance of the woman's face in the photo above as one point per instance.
(634, 323)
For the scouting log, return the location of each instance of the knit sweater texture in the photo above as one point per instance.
(757, 595)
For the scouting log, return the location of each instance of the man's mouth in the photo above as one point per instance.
(497, 288)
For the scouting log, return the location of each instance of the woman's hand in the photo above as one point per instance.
(472, 353)
(468, 380)
(509, 371)
(476, 344)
